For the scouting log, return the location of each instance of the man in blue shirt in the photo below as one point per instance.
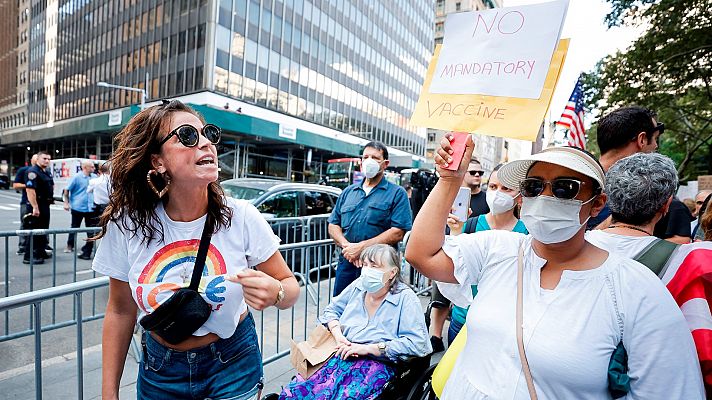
(19, 184)
(81, 203)
(373, 211)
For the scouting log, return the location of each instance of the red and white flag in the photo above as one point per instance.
(689, 280)
(572, 118)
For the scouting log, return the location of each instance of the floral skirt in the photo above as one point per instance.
(339, 379)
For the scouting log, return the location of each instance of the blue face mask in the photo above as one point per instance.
(372, 279)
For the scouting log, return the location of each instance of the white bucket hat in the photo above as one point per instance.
(512, 173)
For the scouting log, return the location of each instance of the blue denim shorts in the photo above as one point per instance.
(226, 369)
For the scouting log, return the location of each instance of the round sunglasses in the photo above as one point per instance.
(189, 136)
(561, 188)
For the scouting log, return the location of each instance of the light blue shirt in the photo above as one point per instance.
(79, 199)
(399, 321)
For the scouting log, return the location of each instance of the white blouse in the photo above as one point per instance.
(570, 332)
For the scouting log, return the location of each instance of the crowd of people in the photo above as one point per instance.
(573, 277)
(85, 197)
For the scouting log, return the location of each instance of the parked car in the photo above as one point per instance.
(280, 199)
(280, 203)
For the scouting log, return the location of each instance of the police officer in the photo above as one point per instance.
(19, 184)
(40, 189)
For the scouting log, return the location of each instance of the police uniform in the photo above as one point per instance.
(43, 184)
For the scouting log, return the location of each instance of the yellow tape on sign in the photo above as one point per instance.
(508, 117)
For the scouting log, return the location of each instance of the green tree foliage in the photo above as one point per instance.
(667, 69)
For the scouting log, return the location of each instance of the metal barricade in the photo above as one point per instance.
(276, 328)
(59, 269)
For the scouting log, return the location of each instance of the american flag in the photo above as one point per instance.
(688, 277)
(572, 118)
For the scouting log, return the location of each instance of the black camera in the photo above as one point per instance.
(423, 181)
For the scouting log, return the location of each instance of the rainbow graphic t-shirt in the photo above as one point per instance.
(154, 272)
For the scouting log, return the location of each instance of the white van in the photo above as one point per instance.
(63, 169)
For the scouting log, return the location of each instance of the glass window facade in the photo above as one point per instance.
(154, 44)
(352, 65)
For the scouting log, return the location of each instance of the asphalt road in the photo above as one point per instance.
(62, 268)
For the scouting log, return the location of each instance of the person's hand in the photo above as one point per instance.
(455, 224)
(259, 289)
(357, 349)
(342, 348)
(352, 252)
(35, 212)
(66, 206)
(444, 157)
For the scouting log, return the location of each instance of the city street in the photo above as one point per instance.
(55, 271)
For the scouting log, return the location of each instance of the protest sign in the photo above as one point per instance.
(499, 52)
(488, 115)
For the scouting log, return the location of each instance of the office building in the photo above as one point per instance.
(286, 79)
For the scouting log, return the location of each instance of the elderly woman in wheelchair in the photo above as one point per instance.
(378, 324)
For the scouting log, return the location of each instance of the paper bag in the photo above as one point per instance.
(307, 357)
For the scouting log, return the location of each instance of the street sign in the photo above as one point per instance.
(114, 117)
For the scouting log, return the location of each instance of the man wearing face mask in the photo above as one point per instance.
(551, 307)
(372, 212)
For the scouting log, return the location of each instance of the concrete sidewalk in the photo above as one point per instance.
(60, 374)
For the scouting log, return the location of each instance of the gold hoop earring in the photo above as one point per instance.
(153, 187)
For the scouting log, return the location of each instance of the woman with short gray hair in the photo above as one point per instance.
(376, 321)
(640, 189)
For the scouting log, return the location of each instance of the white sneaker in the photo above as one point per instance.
(68, 250)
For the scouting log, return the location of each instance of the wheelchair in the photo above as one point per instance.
(407, 383)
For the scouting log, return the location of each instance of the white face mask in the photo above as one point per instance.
(499, 202)
(370, 167)
(551, 220)
(372, 279)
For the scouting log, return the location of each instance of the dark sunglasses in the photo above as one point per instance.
(561, 188)
(660, 127)
(189, 136)
(478, 173)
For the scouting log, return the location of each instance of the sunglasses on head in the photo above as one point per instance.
(476, 173)
(189, 136)
(660, 127)
(561, 188)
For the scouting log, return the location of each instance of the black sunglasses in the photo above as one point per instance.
(561, 188)
(188, 135)
(478, 173)
(660, 127)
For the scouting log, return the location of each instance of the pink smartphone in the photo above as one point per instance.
(458, 148)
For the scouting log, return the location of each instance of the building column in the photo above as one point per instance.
(290, 156)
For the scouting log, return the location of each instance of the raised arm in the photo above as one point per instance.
(424, 249)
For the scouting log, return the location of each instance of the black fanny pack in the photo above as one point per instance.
(185, 311)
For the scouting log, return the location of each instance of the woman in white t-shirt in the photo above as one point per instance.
(578, 301)
(164, 181)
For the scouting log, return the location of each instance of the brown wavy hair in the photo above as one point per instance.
(706, 219)
(132, 204)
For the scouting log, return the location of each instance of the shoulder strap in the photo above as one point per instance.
(520, 330)
(202, 253)
(656, 255)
